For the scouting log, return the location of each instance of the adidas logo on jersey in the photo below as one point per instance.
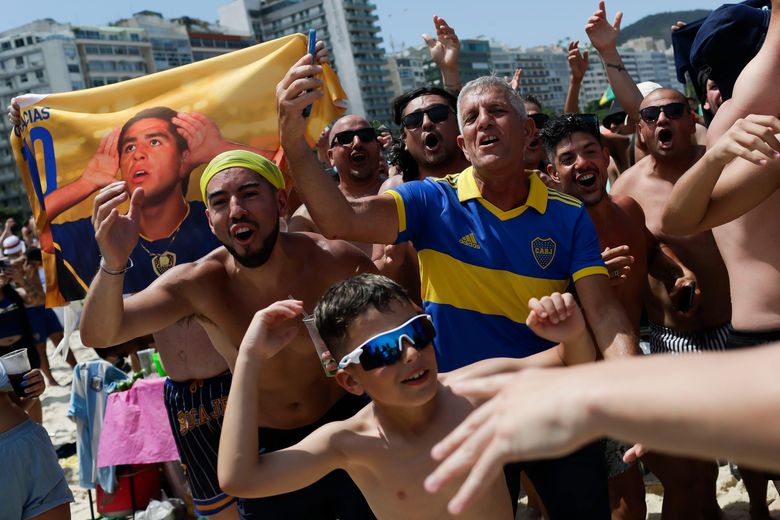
(469, 240)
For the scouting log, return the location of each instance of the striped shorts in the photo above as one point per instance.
(196, 409)
(664, 340)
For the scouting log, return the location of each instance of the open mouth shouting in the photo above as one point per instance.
(242, 233)
(418, 377)
(665, 138)
(488, 141)
(586, 179)
(431, 140)
(358, 157)
(534, 144)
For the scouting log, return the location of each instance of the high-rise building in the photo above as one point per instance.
(37, 57)
(645, 59)
(169, 40)
(208, 40)
(112, 54)
(350, 31)
(407, 69)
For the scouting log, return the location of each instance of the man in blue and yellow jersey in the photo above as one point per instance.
(487, 239)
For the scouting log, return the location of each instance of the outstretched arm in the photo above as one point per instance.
(693, 413)
(242, 470)
(578, 66)
(445, 50)
(604, 36)
(373, 219)
(738, 172)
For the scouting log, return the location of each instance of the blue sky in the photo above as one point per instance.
(515, 22)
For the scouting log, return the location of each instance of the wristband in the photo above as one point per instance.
(115, 273)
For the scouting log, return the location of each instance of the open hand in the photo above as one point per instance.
(445, 49)
(578, 62)
(602, 34)
(116, 234)
(102, 167)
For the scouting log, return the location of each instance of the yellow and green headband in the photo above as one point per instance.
(241, 159)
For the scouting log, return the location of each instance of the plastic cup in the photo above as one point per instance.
(16, 364)
(145, 360)
(329, 364)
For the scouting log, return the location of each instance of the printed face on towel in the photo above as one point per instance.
(150, 156)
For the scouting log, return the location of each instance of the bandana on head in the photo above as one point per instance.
(241, 159)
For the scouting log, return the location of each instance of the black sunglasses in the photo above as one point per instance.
(436, 113)
(539, 119)
(673, 111)
(366, 135)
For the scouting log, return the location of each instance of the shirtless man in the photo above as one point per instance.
(354, 152)
(578, 166)
(258, 265)
(665, 126)
(733, 190)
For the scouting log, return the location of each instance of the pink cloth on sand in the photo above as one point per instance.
(136, 428)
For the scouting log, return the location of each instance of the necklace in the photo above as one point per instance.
(161, 262)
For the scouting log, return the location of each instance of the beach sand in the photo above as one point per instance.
(731, 493)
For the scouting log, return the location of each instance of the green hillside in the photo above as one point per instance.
(658, 25)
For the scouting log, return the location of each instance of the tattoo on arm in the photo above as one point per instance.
(618, 66)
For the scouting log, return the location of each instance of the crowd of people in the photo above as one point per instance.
(538, 255)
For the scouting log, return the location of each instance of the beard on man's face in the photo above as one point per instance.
(260, 257)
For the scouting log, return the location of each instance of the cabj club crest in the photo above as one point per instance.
(543, 250)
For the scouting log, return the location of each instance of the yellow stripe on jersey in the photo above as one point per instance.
(564, 196)
(565, 201)
(446, 280)
(589, 271)
(399, 206)
(205, 508)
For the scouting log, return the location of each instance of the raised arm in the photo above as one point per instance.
(242, 471)
(107, 318)
(604, 37)
(372, 220)
(738, 172)
(578, 66)
(445, 50)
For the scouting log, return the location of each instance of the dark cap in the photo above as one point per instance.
(727, 40)
(616, 115)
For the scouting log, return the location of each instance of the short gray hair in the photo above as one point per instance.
(486, 83)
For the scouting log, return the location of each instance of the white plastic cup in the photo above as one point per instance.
(329, 365)
(16, 364)
(147, 365)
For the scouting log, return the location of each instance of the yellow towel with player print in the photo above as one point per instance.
(61, 133)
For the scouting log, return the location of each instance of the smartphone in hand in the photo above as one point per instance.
(313, 52)
(687, 294)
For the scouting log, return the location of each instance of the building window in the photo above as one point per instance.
(19, 42)
(39, 75)
(74, 68)
(23, 78)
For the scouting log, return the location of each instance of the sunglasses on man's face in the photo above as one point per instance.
(539, 119)
(436, 113)
(366, 135)
(673, 111)
(385, 348)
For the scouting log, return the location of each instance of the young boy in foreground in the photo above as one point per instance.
(382, 340)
